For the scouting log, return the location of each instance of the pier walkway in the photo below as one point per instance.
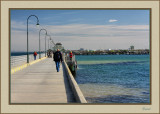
(41, 83)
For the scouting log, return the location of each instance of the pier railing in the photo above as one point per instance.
(19, 60)
(75, 88)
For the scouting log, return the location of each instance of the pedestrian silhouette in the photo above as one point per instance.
(35, 54)
(57, 58)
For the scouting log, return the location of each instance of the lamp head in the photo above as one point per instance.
(37, 24)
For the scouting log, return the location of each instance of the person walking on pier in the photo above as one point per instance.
(70, 55)
(57, 58)
(35, 54)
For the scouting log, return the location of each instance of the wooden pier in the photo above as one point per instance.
(41, 83)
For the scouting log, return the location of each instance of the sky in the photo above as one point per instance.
(75, 29)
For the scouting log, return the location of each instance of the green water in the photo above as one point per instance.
(114, 78)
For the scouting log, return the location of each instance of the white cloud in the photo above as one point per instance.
(112, 20)
(75, 36)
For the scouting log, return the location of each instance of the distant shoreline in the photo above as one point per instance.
(112, 52)
(98, 52)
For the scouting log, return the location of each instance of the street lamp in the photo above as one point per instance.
(45, 43)
(27, 34)
(40, 43)
(51, 42)
(48, 41)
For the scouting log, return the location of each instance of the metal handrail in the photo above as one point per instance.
(19, 60)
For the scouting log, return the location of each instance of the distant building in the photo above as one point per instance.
(131, 47)
(81, 49)
(58, 46)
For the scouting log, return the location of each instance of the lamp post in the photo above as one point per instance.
(40, 43)
(49, 44)
(52, 43)
(27, 35)
(45, 43)
(48, 41)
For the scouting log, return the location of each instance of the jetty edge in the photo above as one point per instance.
(74, 86)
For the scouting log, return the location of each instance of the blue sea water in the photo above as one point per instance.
(114, 78)
(22, 53)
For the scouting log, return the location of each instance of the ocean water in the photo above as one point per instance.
(22, 53)
(114, 78)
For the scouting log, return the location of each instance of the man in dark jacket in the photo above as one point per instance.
(57, 58)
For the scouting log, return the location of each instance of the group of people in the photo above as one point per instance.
(49, 54)
(57, 58)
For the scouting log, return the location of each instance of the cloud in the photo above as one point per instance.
(75, 36)
(112, 20)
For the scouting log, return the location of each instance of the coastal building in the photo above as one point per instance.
(81, 49)
(132, 47)
(58, 46)
(109, 49)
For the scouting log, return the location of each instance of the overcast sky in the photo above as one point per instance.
(88, 29)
